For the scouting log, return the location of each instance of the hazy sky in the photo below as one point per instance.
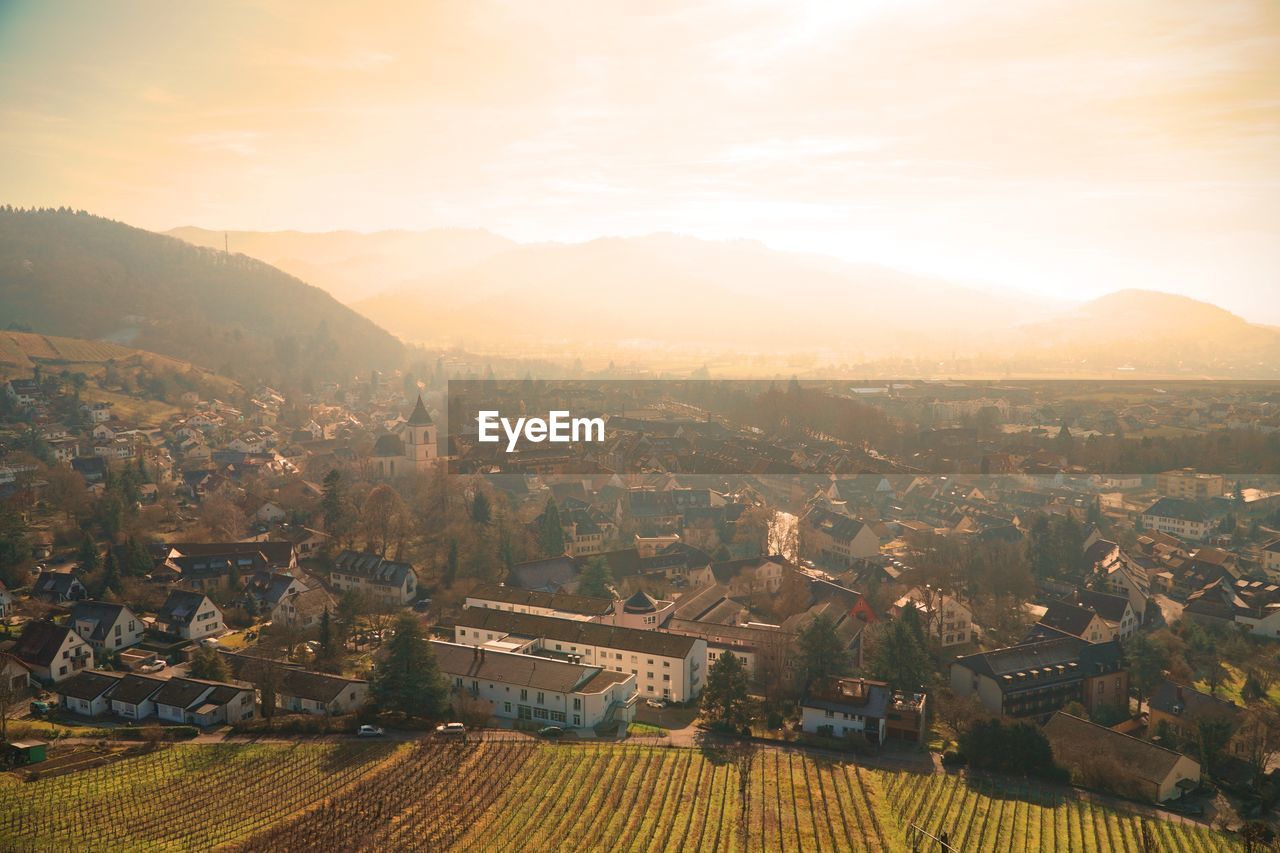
(1070, 148)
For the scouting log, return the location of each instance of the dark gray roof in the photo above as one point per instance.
(419, 417)
(640, 602)
(1074, 739)
(372, 568)
(522, 670)
(852, 696)
(1108, 606)
(316, 686)
(40, 642)
(1180, 700)
(180, 607)
(103, 613)
(1067, 617)
(135, 689)
(388, 444)
(88, 684)
(186, 692)
(574, 632)
(583, 605)
(1181, 508)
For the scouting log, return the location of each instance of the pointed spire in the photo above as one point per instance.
(420, 416)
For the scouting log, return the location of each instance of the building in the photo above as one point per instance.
(1174, 711)
(1182, 518)
(197, 702)
(88, 693)
(318, 693)
(945, 619)
(189, 615)
(561, 605)
(1066, 618)
(1115, 610)
(52, 652)
(14, 674)
(386, 581)
(753, 643)
(1190, 484)
(133, 696)
(848, 707)
(1036, 679)
(1271, 556)
(835, 540)
(539, 689)
(669, 666)
(1139, 768)
(58, 587)
(412, 450)
(105, 626)
(304, 608)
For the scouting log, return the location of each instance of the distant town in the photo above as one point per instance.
(1067, 589)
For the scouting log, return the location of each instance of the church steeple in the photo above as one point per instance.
(420, 416)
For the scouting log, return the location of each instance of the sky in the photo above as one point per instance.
(1066, 149)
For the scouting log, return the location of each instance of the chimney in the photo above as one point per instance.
(1179, 693)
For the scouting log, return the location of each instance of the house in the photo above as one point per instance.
(270, 588)
(1067, 619)
(1036, 679)
(303, 608)
(387, 581)
(835, 540)
(1114, 610)
(106, 626)
(317, 693)
(1190, 484)
(1138, 768)
(88, 693)
(1271, 556)
(1182, 518)
(667, 666)
(1174, 710)
(189, 615)
(752, 643)
(847, 707)
(58, 587)
(195, 701)
(24, 392)
(945, 619)
(539, 689)
(133, 697)
(14, 674)
(52, 652)
(1125, 577)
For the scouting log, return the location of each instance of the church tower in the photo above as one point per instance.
(419, 437)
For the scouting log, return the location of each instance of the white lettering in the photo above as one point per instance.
(558, 427)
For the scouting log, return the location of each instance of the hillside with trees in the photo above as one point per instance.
(69, 273)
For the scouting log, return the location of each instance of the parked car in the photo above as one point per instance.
(451, 729)
(551, 731)
(154, 666)
(40, 709)
(209, 641)
(656, 703)
(370, 731)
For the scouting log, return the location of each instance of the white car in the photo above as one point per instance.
(656, 703)
(370, 731)
(451, 729)
(154, 666)
(209, 641)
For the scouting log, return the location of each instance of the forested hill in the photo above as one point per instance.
(74, 274)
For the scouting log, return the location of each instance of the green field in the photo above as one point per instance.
(508, 794)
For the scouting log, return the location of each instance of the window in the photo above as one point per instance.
(577, 703)
(666, 677)
(667, 664)
(524, 695)
(577, 719)
(541, 698)
(506, 706)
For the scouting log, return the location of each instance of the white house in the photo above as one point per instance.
(195, 701)
(318, 693)
(88, 693)
(945, 619)
(848, 707)
(106, 626)
(189, 615)
(52, 652)
(538, 689)
(388, 581)
(667, 666)
(133, 696)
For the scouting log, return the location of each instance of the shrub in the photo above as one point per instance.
(951, 758)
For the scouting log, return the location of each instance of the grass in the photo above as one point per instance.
(1233, 684)
(645, 730)
(482, 796)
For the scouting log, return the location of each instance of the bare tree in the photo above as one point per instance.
(221, 515)
(384, 519)
(11, 693)
(1259, 736)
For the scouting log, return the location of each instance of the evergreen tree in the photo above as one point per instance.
(110, 580)
(408, 679)
(480, 511)
(87, 556)
(451, 565)
(550, 533)
(724, 699)
(206, 663)
(327, 648)
(596, 579)
(823, 654)
(338, 521)
(899, 657)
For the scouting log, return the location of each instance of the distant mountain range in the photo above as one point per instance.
(82, 276)
(666, 291)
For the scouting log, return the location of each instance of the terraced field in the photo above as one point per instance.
(518, 794)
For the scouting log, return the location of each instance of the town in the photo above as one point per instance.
(961, 586)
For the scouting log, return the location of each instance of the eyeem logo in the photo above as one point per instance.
(557, 427)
